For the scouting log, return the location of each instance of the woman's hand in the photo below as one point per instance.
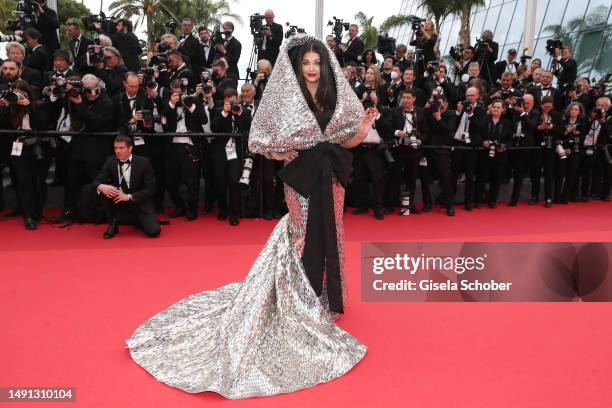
(288, 155)
(367, 121)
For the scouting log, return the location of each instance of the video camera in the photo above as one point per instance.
(96, 53)
(293, 30)
(257, 27)
(433, 67)
(386, 45)
(552, 44)
(217, 37)
(148, 74)
(456, 52)
(416, 24)
(23, 15)
(108, 24)
(161, 57)
(524, 57)
(10, 96)
(171, 26)
(338, 27)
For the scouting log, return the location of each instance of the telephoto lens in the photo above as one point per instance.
(405, 204)
(560, 151)
(245, 179)
(413, 142)
(492, 150)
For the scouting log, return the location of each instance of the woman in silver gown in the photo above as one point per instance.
(275, 332)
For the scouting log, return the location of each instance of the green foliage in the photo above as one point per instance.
(67, 9)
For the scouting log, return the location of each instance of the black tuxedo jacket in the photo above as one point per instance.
(113, 79)
(398, 121)
(232, 53)
(190, 46)
(38, 59)
(272, 44)
(354, 50)
(79, 56)
(220, 124)
(193, 120)
(569, 72)
(500, 67)
(476, 125)
(142, 180)
(129, 47)
(32, 76)
(206, 62)
(123, 112)
(47, 23)
(87, 117)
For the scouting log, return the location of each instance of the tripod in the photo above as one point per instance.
(252, 67)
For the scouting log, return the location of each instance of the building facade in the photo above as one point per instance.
(584, 25)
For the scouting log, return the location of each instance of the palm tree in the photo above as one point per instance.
(211, 13)
(463, 9)
(6, 7)
(437, 10)
(369, 33)
(145, 10)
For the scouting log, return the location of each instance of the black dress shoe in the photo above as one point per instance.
(564, 201)
(512, 203)
(414, 210)
(360, 210)
(233, 220)
(548, 203)
(378, 214)
(492, 204)
(191, 216)
(208, 208)
(30, 224)
(222, 216)
(532, 201)
(388, 210)
(111, 231)
(605, 198)
(179, 212)
(268, 215)
(584, 199)
(477, 205)
(450, 211)
(426, 208)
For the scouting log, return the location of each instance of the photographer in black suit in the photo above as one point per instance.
(486, 52)
(184, 114)
(354, 46)
(273, 37)
(207, 47)
(125, 41)
(230, 48)
(112, 71)
(226, 153)
(78, 45)
(566, 68)
(190, 45)
(127, 183)
(37, 56)
(46, 23)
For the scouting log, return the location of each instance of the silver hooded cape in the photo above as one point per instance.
(284, 121)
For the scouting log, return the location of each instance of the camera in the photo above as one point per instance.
(171, 26)
(293, 30)
(433, 67)
(257, 27)
(96, 53)
(467, 107)
(148, 74)
(560, 151)
(186, 100)
(552, 44)
(236, 107)
(245, 178)
(217, 37)
(456, 52)
(23, 15)
(367, 102)
(492, 148)
(524, 57)
(386, 151)
(412, 138)
(416, 24)
(519, 139)
(386, 44)
(338, 27)
(107, 24)
(10, 96)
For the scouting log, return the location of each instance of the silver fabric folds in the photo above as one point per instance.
(270, 333)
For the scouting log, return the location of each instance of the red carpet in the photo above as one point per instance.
(69, 299)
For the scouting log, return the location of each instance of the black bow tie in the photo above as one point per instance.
(128, 161)
(131, 99)
(546, 89)
(249, 107)
(409, 112)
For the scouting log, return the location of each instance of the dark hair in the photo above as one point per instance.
(126, 22)
(130, 74)
(407, 91)
(175, 53)
(32, 33)
(548, 99)
(229, 92)
(326, 95)
(124, 139)
(14, 61)
(366, 52)
(202, 28)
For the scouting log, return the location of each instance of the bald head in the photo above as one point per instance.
(528, 101)
(269, 15)
(472, 94)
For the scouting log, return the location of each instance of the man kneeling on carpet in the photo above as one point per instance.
(127, 184)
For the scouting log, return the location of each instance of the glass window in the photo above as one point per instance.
(541, 10)
(553, 17)
(496, 2)
(516, 27)
(596, 13)
(503, 24)
(477, 25)
(603, 64)
(491, 20)
(446, 28)
(586, 50)
(574, 15)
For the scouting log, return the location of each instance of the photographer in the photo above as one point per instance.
(581, 92)
(184, 114)
(178, 69)
(230, 48)
(497, 136)
(442, 122)
(404, 57)
(222, 80)
(373, 84)
(207, 47)
(461, 62)
(473, 76)
(38, 57)
(369, 156)
(16, 52)
(504, 92)
(565, 68)
(486, 52)
(469, 133)
(567, 162)
(205, 90)
(227, 154)
(548, 132)
(125, 41)
(78, 45)
(30, 155)
(595, 168)
(526, 119)
(387, 69)
(426, 39)
(354, 46)
(134, 113)
(273, 37)
(437, 80)
(331, 43)
(508, 65)
(190, 46)
(393, 88)
(547, 90)
(409, 126)
(409, 83)
(264, 70)
(112, 71)
(46, 22)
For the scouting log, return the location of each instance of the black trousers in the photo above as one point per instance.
(596, 175)
(153, 150)
(210, 191)
(491, 169)
(271, 186)
(226, 175)
(30, 177)
(438, 162)
(181, 169)
(368, 171)
(80, 173)
(566, 177)
(543, 162)
(146, 220)
(61, 157)
(521, 161)
(464, 161)
(407, 165)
